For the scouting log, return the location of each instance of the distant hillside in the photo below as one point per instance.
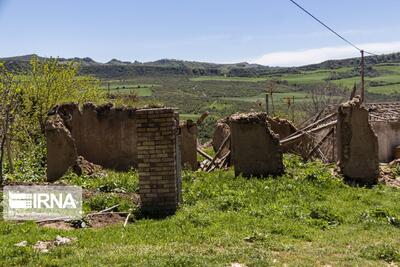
(353, 62)
(124, 69)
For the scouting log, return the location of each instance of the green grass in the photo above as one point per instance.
(125, 87)
(187, 116)
(303, 218)
(306, 77)
(143, 91)
(279, 98)
(385, 89)
(230, 79)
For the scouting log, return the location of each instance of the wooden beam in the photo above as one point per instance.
(312, 125)
(219, 151)
(204, 154)
(295, 138)
(319, 144)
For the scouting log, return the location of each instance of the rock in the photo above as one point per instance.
(21, 244)
(46, 246)
(42, 246)
(62, 240)
(84, 167)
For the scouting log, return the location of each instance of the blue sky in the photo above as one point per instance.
(270, 32)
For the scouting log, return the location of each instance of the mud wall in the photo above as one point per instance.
(256, 150)
(104, 135)
(61, 149)
(388, 134)
(188, 144)
(357, 144)
(281, 127)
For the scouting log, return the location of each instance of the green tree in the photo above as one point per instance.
(10, 103)
(50, 83)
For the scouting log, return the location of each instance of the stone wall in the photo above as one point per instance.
(357, 144)
(388, 133)
(188, 133)
(256, 150)
(159, 174)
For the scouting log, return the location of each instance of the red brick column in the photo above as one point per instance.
(158, 176)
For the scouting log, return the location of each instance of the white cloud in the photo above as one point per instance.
(317, 55)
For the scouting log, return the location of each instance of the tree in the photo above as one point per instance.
(321, 97)
(50, 83)
(10, 103)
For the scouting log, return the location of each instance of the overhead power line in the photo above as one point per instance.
(330, 29)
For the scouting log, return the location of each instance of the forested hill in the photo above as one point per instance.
(122, 69)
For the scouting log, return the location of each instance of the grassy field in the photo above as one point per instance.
(388, 73)
(126, 87)
(303, 218)
(279, 98)
(230, 79)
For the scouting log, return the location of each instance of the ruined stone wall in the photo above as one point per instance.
(256, 150)
(357, 144)
(388, 133)
(221, 132)
(104, 135)
(61, 149)
(159, 174)
(188, 144)
(281, 127)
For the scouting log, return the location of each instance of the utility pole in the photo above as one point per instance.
(362, 76)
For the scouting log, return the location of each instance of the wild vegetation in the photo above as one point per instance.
(26, 101)
(304, 217)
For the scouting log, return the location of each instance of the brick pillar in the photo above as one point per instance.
(157, 151)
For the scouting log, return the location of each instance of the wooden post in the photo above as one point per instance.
(272, 101)
(293, 109)
(266, 103)
(362, 77)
